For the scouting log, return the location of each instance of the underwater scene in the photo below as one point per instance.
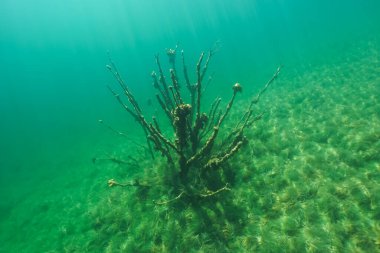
(189, 126)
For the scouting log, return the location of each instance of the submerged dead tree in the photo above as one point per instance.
(191, 151)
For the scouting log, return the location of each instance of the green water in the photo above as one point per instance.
(307, 181)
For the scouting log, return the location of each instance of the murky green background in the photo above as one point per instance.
(309, 181)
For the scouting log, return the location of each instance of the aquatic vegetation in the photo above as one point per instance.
(194, 155)
(315, 190)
